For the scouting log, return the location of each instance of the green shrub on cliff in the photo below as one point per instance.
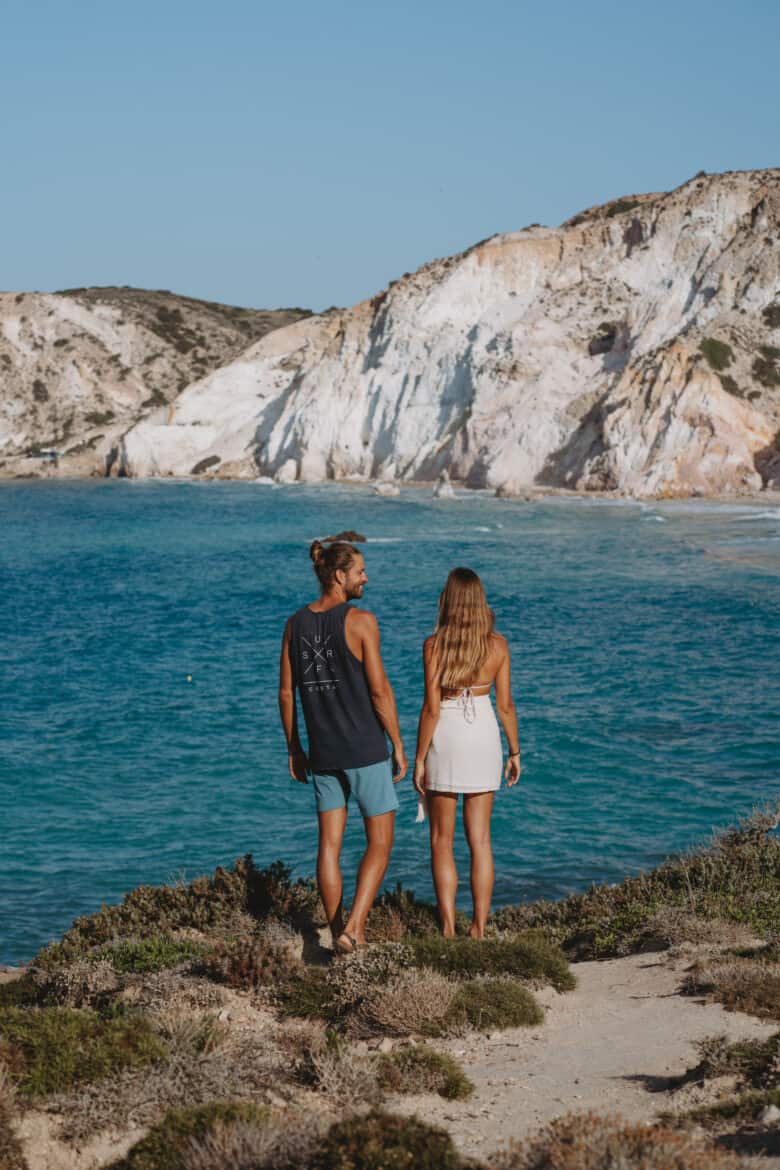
(381, 1141)
(419, 1068)
(223, 905)
(163, 1146)
(736, 879)
(51, 1049)
(529, 955)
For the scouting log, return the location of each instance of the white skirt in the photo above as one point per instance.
(465, 753)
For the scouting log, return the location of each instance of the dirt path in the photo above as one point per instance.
(609, 1045)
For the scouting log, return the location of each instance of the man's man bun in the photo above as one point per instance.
(316, 550)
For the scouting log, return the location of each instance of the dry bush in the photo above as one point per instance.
(287, 1143)
(413, 1002)
(755, 1062)
(168, 990)
(206, 1063)
(324, 1061)
(81, 984)
(347, 1078)
(674, 926)
(587, 1141)
(743, 985)
(267, 958)
(11, 1155)
(353, 979)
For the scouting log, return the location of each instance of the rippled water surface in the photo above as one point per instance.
(645, 642)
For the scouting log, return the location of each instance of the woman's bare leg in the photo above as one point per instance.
(329, 879)
(442, 810)
(379, 842)
(477, 808)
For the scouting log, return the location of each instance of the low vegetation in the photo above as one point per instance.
(419, 1068)
(166, 1142)
(228, 904)
(745, 980)
(50, 1049)
(719, 355)
(734, 881)
(588, 1141)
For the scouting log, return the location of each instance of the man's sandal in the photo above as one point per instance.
(350, 947)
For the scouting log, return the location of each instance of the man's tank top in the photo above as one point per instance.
(342, 726)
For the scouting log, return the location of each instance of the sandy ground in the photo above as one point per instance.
(615, 1044)
(610, 1045)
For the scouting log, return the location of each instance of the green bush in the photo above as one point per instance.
(382, 1141)
(736, 879)
(718, 353)
(263, 961)
(420, 1069)
(306, 993)
(486, 1004)
(771, 315)
(620, 206)
(155, 953)
(742, 1108)
(526, 956)
(164, 1144)
(208, 904)
(52, 1049)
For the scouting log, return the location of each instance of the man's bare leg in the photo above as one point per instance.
(442, 809)
(379, 837)
(329, 880)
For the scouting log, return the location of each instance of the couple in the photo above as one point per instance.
(331, 656)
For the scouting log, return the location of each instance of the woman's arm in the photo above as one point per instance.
(508, 716)
(429, 714)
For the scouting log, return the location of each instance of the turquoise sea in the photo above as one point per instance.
(645, 642)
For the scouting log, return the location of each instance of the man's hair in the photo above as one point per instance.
(333, 553)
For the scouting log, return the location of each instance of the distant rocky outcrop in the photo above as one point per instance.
(633, 349)
(78, 368)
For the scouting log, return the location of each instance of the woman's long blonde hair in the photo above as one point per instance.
(463, 629)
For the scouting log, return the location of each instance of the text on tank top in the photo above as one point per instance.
(342, 727)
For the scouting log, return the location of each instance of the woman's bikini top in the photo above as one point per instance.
(465, 699)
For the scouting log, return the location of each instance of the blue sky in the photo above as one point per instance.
(305, 154)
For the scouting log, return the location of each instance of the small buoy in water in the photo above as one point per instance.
(189, 678)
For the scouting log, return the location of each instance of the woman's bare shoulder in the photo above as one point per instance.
(500, 644)
(429, 644)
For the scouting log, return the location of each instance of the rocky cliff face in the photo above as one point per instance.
(78, 368)
(635, 348)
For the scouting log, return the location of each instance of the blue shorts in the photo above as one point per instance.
(372, 787)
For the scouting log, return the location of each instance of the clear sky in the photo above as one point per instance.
(306, 153)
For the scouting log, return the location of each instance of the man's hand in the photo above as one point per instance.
(400, 764)
(512, 771)
(298, 765)
(419, 776)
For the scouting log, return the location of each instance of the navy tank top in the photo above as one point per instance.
(342, 726)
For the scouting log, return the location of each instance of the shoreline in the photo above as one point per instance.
(531, 494)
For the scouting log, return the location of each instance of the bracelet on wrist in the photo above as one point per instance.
(513, 754)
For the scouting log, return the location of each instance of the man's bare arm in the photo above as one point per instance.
(296, 757)
(379, 687)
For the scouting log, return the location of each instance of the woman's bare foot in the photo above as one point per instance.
(476, 931)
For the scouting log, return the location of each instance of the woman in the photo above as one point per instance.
(458, 740)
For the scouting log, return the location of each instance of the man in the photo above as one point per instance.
(331, 655)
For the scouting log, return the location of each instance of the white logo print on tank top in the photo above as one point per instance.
(319, 660)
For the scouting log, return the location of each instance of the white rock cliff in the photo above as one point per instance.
(635, 348)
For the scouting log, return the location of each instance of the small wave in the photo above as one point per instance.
(483, 528)
(773, 514)
(386, 539)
